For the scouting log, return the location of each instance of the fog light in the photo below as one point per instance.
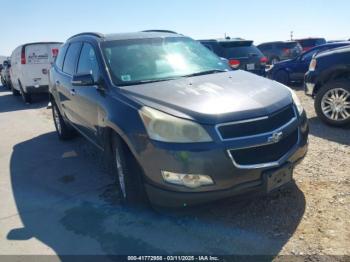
(187, 180)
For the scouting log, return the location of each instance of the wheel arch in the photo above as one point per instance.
(331, 75)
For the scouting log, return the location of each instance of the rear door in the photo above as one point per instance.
(63, 82)
(39, 58)
(86, 98)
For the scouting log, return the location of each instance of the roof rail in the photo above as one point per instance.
(160, 31)
(88, 34)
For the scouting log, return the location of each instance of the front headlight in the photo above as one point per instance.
(297, 103)
(167, 128)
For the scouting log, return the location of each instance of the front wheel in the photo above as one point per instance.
(128, 174)
(15, 92)
(332, 103)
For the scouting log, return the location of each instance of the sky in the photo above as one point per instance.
(26, 21)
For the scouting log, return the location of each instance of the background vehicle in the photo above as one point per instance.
(30, 65)
(308, 43)
(241, 54)
(328, 81)
(278, 51)
(5, 74)
(145, 97)
(293, 70)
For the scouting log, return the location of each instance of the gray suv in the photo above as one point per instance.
(181, 128)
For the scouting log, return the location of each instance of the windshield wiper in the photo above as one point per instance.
(213, 71)
(148, 81)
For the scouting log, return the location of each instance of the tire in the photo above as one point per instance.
(26, 97)
(332, 103)
(128, 174)
(64, 130)
(15, 92)
(282, 76)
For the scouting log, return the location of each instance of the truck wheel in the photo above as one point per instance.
(332, 103)
(64, 131)
(282, 77)
(27, 98)
(15, 92)
(128, 174)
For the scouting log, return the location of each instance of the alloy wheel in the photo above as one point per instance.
(335, 104)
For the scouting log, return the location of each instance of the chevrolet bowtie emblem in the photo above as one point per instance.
(276, 137)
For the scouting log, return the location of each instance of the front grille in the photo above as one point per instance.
(267, 153)
(248, 128)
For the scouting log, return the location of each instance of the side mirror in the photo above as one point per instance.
(83, 80)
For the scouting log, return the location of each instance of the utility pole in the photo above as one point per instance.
(291, 35)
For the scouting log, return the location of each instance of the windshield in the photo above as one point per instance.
(156, 59)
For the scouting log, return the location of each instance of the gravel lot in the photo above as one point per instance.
(57, 198)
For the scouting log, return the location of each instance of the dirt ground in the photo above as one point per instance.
(61, 201)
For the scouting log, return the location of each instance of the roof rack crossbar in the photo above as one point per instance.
(88, 34)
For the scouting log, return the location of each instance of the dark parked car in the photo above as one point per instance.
(279, 51)
(308, 43)
(293, 70)
(5, 74)
(328, 81)
(241, 54)
(181, 127)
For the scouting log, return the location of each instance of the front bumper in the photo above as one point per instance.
(174, 199)
(229, 179)
(37, 89)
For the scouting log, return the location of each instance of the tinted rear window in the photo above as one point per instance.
(240, 49)
(312, 42)
(286, 45)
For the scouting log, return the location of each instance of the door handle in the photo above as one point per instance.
(72, 92)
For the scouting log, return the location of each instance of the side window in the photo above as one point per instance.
(88, 62)
(60, 58)
(70, 60)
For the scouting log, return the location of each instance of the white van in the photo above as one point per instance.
(30, 64)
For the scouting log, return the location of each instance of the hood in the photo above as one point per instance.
(213, 98)
(338, 50)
